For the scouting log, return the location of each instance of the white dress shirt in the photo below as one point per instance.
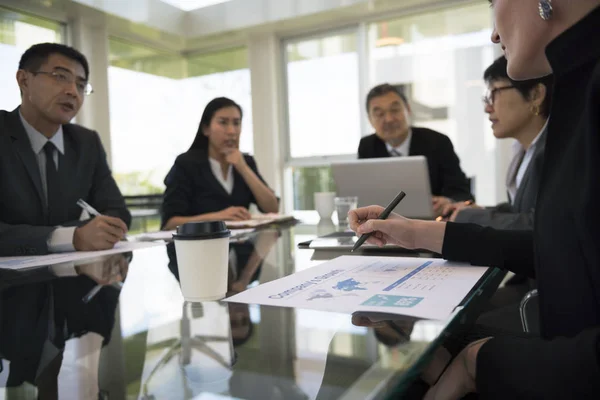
(61, 239)
(403, 149)
(227, 184)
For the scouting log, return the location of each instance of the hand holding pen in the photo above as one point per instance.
(101, 233)
(375, 224)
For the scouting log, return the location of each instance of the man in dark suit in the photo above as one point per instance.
(47, 164)
(389, 114)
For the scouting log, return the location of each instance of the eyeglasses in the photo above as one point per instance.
(379, 115)
(489, 99)
(67, 78)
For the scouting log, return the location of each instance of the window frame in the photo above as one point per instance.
(314, 161)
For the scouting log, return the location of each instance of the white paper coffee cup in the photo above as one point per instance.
(202, 250)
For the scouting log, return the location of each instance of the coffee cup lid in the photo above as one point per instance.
(202, 231)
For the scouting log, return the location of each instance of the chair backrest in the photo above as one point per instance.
(144, 201)
(530, 312)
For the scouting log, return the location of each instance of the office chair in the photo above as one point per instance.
(188, 343)
(529, 311)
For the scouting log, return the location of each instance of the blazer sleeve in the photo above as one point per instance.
(105, 195)
(24, 240)
(178, 197)
(506, 249)
(528, 368)
(455, 184)
(495, 219)
(252, 164)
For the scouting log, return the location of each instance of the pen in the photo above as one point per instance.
(91, 210)
(92, 293)
(386, 213)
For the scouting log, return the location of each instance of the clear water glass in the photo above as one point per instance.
(343, 205)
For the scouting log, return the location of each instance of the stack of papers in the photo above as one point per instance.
(239, 229)
(416, 287)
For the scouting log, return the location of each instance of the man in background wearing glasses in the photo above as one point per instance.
(47, 163)
(390, 115)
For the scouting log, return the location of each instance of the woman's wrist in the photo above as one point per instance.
(429, 235)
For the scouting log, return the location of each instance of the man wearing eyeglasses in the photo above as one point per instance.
(47, 164)
(390, 116)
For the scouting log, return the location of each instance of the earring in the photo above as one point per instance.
(535, 110)
(545, 9)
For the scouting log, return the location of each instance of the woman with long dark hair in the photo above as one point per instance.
(539, 38)
(213, 180)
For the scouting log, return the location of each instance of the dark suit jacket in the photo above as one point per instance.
(445, 175)
(518, 215)
(192, 189)
(83, 171)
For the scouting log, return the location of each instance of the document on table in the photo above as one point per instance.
(259, 221)
(417, 287)
(24, 262)
(167, 236)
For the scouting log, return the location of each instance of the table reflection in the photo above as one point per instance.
(137, 338)
(40, 319)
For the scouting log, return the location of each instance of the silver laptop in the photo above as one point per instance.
(378, 180)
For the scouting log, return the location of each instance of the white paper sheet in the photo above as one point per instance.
(417, 287)
(24, 262)
(167, 236)
(259, 220)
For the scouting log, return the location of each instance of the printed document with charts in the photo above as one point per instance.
(417, 287)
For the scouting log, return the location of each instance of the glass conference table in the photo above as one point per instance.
(140, 340)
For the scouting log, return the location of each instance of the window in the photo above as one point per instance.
(18, 32)
(157, 99)
(188, 5)
(323, 96)
(323, 111)
(438, 59)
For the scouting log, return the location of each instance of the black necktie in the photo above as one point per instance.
(52, 187)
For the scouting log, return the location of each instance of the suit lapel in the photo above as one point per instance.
(380, 149)
(416, 147)
(531, 170)
(209, 177)
(23, 149)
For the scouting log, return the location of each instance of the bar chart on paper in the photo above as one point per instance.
(418, 287)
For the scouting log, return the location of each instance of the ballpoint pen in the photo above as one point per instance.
(90, 295)
(386, 213)
(91, 210)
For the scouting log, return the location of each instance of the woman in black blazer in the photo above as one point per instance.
(562, 252)
(213, 180)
